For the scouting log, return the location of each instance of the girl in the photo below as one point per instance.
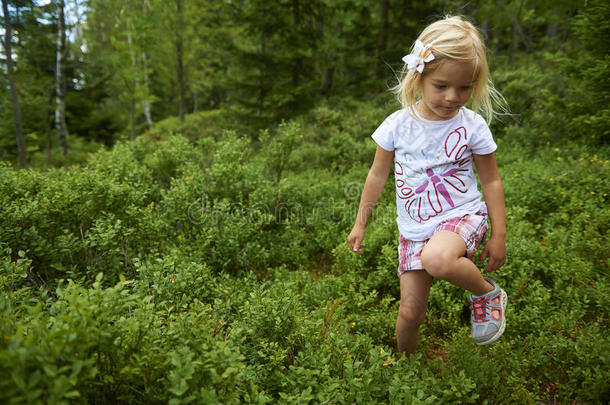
(433, 142)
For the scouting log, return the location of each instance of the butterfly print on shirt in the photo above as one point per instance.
(433, 196)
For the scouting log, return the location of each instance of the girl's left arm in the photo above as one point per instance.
(493, 192)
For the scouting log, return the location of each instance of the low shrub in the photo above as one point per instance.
(179, 270)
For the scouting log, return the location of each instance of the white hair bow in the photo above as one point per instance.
(418, 57)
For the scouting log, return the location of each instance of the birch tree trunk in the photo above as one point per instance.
(23, 163)
(60, 81)
(133, 51)
(145, 102)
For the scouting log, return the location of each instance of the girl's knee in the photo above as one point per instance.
(437, 262)
(412, 313)
(441, 253)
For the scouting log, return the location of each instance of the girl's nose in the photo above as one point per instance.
(451, 95)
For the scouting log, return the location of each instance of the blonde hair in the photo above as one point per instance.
(455, 39)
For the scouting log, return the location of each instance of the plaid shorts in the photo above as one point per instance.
(471, 227)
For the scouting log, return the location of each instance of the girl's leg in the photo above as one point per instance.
(443, 258)
(414, 293)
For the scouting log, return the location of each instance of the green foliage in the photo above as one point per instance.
(201, 125)
(560, 95)
(588, 66)
(111, 344)
(278, 149)
(226, 277)
(235, 65)
(205, 261)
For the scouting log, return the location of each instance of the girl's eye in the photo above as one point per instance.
(466, 87)
(440, 86)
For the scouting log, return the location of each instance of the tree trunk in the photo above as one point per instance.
(134, 64)
(60, 81)
(79, 24)
(23, 163)
(485, 29)
(499, 9)
(261, 73)
(329, 76)
(145, 102)
(298, 66)
(554, 28)
(179, 61)
(132, 118)
(517, 26)
(47, 125)
(383, 36)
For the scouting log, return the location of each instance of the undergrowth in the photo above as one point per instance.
(214, 269)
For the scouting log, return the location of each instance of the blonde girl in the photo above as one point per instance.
(434, 142)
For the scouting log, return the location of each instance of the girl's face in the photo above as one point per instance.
(446, 90)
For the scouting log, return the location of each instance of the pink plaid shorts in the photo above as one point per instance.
(471, 227)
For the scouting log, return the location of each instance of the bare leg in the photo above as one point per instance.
(443, 258)
(414, 293)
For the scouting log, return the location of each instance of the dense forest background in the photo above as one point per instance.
(125, 65)
(177, 180)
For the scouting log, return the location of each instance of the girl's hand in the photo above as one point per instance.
(373, 186)
(354, 239)
(495, 250)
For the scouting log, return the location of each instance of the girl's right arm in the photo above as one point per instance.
(373, 186)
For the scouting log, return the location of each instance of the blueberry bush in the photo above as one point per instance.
(214, 269)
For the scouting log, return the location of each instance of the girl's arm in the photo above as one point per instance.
(491, 184)
(373, 186)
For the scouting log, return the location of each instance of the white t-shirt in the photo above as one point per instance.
(433, 168)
